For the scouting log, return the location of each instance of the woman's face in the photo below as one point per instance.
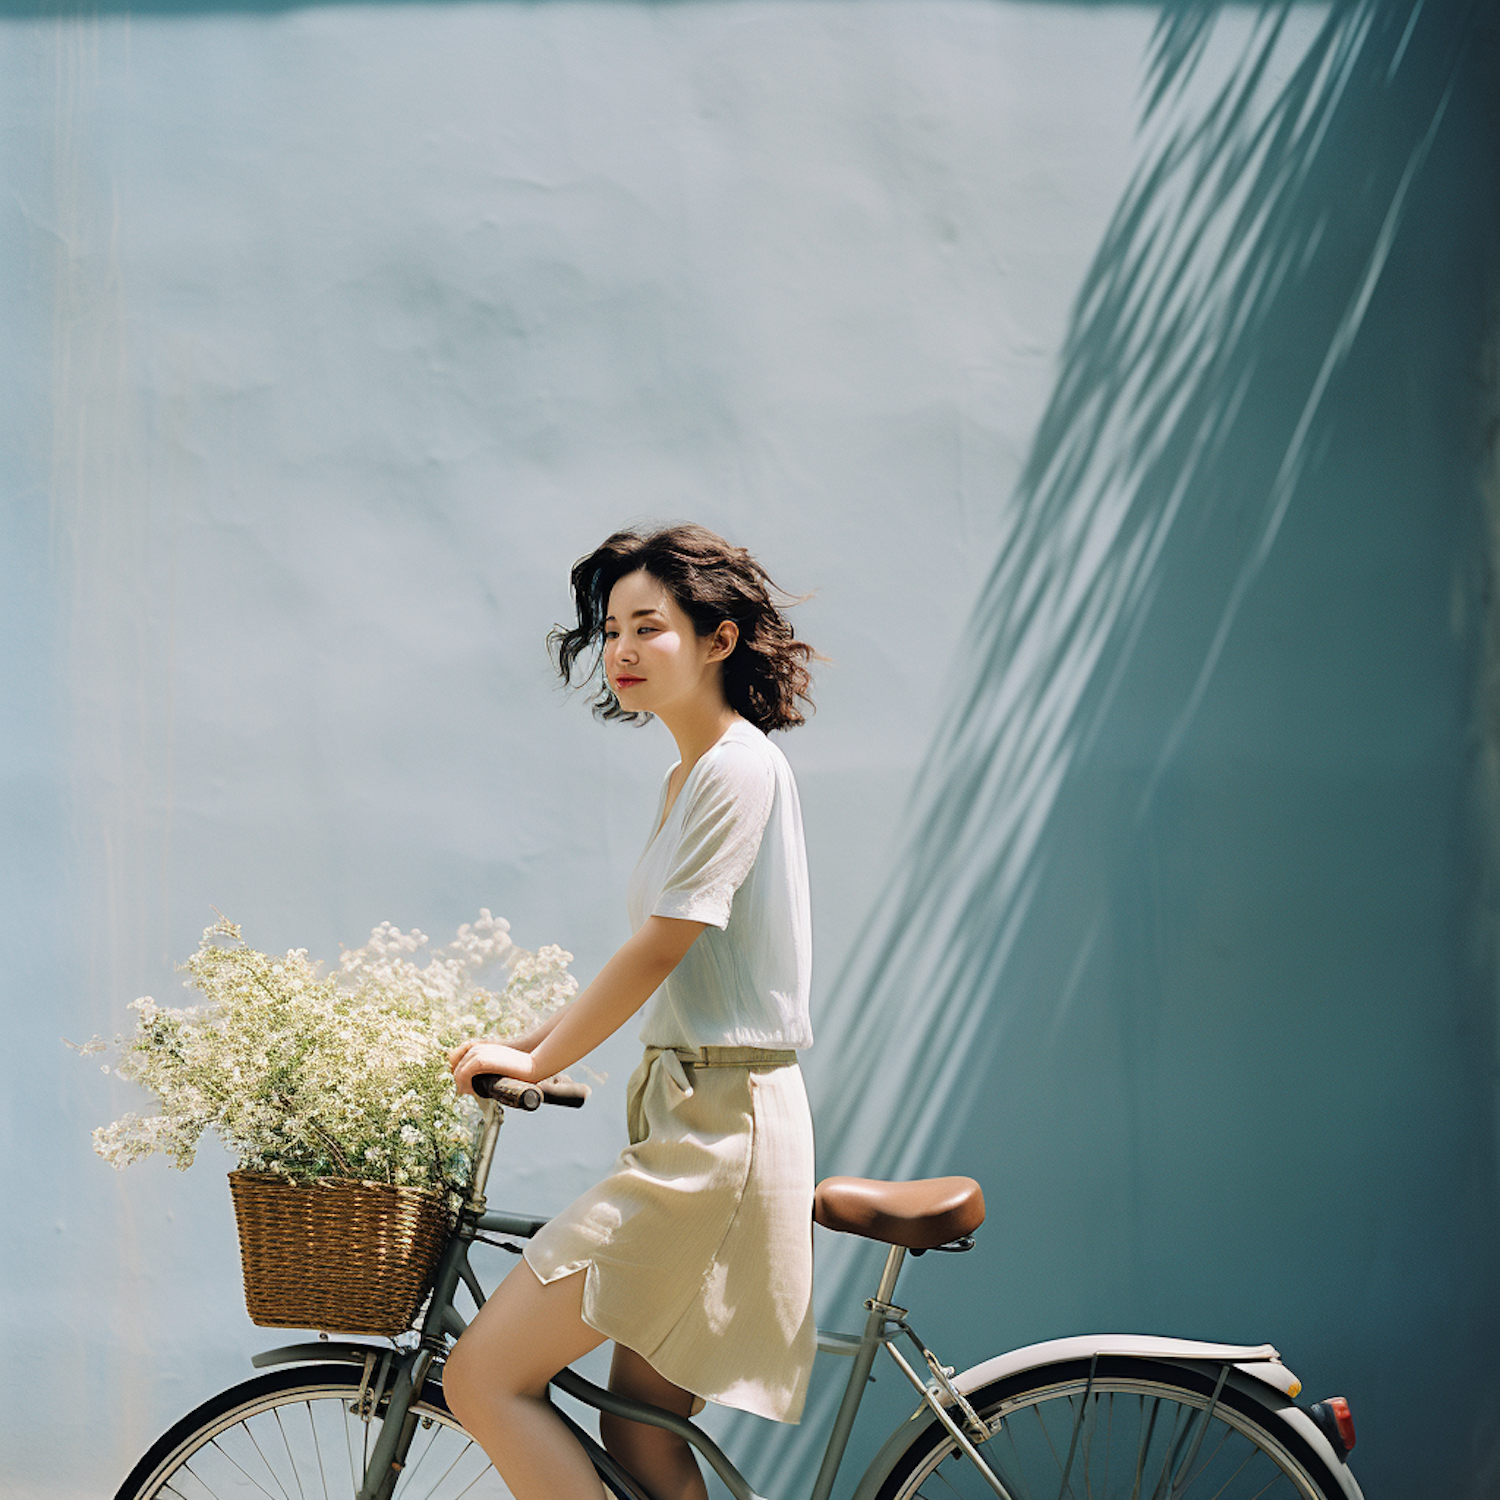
(653, 658)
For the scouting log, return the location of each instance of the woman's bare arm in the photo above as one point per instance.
(538, 1033)
(623, 985)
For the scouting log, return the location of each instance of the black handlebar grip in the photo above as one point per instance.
(565, 1091)
(528, 1096)
(508, 1091)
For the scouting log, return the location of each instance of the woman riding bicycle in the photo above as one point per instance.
(695, 1254)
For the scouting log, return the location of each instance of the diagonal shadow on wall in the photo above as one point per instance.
(1182, 404)
(1019, 1006)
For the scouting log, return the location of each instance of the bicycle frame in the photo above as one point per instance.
(396, 1375)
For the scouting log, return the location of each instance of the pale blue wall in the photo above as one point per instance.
(1116, 377)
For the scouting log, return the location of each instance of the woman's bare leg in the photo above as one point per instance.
(662, 1462)
(496, 1381)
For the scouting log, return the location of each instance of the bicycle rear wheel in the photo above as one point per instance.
(295, 1434)
(1140, 1429)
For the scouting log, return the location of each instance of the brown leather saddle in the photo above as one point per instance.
(919, 1215)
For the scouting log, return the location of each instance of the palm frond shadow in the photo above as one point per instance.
(1193, 396)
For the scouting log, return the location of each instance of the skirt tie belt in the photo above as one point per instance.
(676, 1060)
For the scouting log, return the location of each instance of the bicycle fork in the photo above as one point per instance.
(398, 1378)
(387, 1457)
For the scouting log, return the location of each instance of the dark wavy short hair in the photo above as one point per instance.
(764, 675)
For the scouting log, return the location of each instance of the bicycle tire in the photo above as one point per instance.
(252, 1441)
(1136, 1436)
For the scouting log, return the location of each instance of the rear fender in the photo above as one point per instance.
(1260, 1363)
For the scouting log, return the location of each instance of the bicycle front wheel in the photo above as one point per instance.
(1138, 1429)
(297, 1434)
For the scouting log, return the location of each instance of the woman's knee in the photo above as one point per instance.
(475, 1371)
(517, 1342)
(460, 1378)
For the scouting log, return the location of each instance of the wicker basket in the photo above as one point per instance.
(338, 1255)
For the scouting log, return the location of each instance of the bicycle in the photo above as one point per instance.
(1103, 1417)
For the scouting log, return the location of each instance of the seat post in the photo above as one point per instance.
(894, 1257)
(864, 1358)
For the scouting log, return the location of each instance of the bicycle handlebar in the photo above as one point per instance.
(529, 1096)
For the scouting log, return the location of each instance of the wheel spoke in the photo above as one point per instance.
(243, 1470)
(290, 1460)
(1020, 1468)
(249, 1432)
(947, 1481)
(470, 1485)
(1109, 1437)
(249, 1445)
(1079, 1416)
(1261, 1491)
(1156, 1433)
(356, 1476)
(1036, 1411)
(1087, 1438)
(1140, 1456)
(409, 1475)
(312, 1427)
(1182, 1419)
(1207, 1463)
(1244, 1463)
(432, 1489)
(451, 1467)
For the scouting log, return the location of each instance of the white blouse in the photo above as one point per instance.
(730, 853)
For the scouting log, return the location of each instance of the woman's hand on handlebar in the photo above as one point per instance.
(471, 1058)
(626, 982)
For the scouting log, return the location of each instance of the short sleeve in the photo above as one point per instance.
(721, 832)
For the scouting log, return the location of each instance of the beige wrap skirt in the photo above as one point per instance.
(697, 1248)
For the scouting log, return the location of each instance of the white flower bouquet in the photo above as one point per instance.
(307, 1076)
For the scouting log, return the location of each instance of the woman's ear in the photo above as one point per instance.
(725, 638)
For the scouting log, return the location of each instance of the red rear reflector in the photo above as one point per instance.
(1344, 1417)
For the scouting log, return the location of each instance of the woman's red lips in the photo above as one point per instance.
(625, 682)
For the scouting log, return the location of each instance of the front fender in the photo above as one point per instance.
(340, 1351)
(1255, 1370)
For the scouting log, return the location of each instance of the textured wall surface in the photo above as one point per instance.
(1115, 377)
